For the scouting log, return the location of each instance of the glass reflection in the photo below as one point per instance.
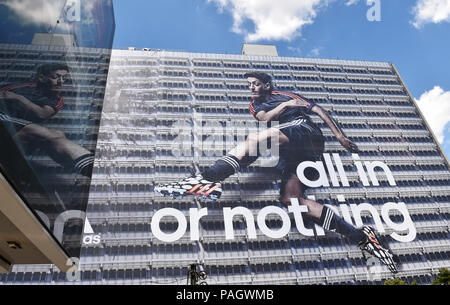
(54, 60)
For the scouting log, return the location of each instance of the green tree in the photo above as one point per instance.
(395, 281)
(443, 278)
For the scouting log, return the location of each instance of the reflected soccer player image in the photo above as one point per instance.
(299, 140)
(26, 107)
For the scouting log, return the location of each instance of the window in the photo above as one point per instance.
(237, 86)
(261, 66)
(280, 67)
(310, 89)
(303, 68)
(360, 80)
(334, 79)
(339, 90)
(236, 65)
(381, 72)
(330, 69)
(307, 78)
(207, 64)
(356, 70)
(365, 91)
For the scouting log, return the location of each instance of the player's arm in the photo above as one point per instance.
(272, 114)
(41, 113)
(338, 133)
(277, 111)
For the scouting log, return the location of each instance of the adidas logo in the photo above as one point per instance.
(89, 237)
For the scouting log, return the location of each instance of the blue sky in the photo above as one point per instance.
(412, 34)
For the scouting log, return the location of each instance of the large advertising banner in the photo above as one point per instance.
(295, 147)
(54, 60)
(261, 168)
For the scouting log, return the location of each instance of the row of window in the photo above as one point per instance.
(274, 66)
(224, 110)
(129, 96)
(79, 68)
(436, 167)
(132, 61)
(385, 139)
(84, 122)
(374, 114)
(148, 152)
(124, 250)
(220, 74)
(178, 275)
(120, 76)
(44, 56)
(221, 86)
(13, 78)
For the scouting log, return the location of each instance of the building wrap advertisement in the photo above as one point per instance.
(297, 143)
(259, 170)
(54, 59)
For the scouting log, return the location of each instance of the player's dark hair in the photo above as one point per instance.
(263, 77)
(47, 69)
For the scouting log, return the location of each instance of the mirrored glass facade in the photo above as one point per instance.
(54, 61)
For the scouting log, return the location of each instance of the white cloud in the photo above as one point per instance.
(37, 12)
(315, 52)
(295, 50)
(435, 106)
(47, 12)
(351, 2)
(431, 11)
(273, 20)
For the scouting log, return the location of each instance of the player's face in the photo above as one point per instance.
(258, 88)
(56, 79)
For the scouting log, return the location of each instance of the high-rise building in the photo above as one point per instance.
(159, 107)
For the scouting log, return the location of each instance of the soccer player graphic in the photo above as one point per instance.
(299, 140)
(25, 107)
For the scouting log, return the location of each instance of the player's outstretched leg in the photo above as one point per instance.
(365, 237)
(322, 215)
(62, 150)
(207, 184)
(373, 246)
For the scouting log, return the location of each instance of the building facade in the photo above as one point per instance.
(157, 104)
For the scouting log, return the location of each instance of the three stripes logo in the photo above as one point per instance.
(203, 191)
(374, 240)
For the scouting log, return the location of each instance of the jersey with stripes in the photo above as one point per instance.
(278, 97)
(31, 92)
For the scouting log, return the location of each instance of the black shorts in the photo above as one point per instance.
(12, 124)
(306, 143)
